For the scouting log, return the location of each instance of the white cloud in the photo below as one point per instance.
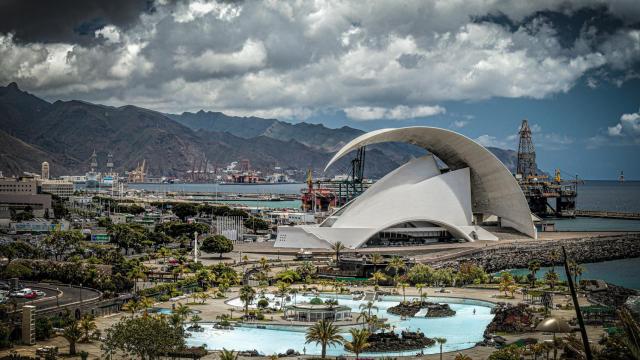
(625, 132)
(459, 124)
(189, 11)
(251, 56)
(374, 60)
(400, 112)
(492, 141)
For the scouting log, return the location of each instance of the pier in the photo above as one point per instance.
(608, 214)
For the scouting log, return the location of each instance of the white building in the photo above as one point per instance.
(61, 188)
(421, 202)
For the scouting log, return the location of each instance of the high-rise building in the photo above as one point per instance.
(44, 173)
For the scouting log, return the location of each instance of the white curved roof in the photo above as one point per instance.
(494, 190)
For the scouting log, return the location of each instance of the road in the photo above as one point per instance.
(65, 295)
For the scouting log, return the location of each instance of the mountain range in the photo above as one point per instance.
(65, 133)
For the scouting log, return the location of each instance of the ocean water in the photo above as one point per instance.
(219, 188)
(622, 272)
(609, 196)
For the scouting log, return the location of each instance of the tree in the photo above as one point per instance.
(376, 259)
(576, 270)
(72, 333)
(129, 236)
(62, 242)
(247, 295)
(441, 341)
(368, 306)
(183, 311)
(511, 352)
(551, 277)
(396, 264)
(378, 276)
(227, 355)
(338, 246)
(143, 337)
(217, 244)
(137, 272)
(324, 333)
(420, 291)
(506, 282)
(533, 267)
(184, 210)
(404, 285)
(255, 224)
(87, 326)
(359, 341)
(22, 216)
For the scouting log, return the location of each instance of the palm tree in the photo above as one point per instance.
(359, 341)
(324, 333)
(264, 264)
(87, 326)
(422, 295)
(441, 341)
(533, 267)
(164, 253)
(554, 257)
(247, 294)
(337, 247)
(72, 333)
(182, 310)
(376, 259)
(404, 287)
(378, 276)
(203, 296)
(552, 278)
(396, 264)
(131, 306)
(368, 306)
(145, 303)
(205, 278)
(227, 355)
(576, 270)
(138, 272)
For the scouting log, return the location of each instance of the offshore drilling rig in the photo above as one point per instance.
(546, 197)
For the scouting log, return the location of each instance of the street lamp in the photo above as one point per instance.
(57, 297)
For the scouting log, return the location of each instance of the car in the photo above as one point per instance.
(31, 295)
(21, 293)
(40, 292)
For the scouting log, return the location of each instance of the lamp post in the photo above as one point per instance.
(57, 297)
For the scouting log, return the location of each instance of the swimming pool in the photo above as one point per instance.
(462, 331)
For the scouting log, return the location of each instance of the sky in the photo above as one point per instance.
(572, 68)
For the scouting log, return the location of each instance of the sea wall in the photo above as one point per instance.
(581, 250)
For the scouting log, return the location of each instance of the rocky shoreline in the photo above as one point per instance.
(412, 308)
(511, 319)
(390, 341)
(582, 250)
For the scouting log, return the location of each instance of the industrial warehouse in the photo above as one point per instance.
(422, 202)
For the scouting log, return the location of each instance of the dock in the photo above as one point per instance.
(608, 214)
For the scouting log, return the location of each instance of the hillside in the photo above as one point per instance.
(65, 133)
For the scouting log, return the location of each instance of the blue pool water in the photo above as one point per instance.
(270, 341)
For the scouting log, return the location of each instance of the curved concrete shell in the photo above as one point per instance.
(494, 190)
(418, 199)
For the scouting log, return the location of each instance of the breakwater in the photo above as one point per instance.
(548, 253)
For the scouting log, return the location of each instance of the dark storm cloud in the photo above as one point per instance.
(69, 21)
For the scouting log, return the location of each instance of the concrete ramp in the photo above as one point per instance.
(422, 313)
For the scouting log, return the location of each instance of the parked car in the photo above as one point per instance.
(40, 292)
(31, 295)
(21, 293)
